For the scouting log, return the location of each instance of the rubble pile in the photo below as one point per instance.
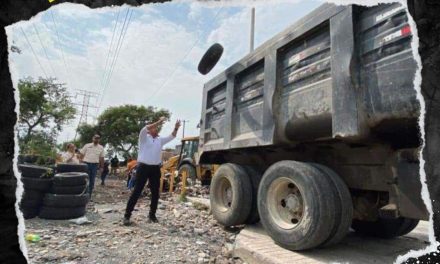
(184, 234)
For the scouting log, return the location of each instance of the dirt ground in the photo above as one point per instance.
(185, 233)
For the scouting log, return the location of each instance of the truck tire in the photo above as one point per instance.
(408, 227)
(229, 195)
(191, 173)
(68, 167)
(32, 171)
(37, 184)
(297, 204)
(79, 189)
(57, 213)
(70, 178)
(384, 228)
(344, 206)
(255, 177)
(65, 200)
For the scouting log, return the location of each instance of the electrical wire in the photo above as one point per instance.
(33, 52)
(60, 46)
(44, 49)
(117, 51)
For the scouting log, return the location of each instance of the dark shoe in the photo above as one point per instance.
(153, 219)
(126, 221)
(102, 184)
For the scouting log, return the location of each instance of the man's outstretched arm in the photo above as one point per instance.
(173, 134)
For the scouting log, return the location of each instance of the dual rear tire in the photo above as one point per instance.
(300, 205)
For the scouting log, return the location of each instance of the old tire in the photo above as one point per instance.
(384, 228)
(191, 173)
(28, 203)
(37, 184)
(65, 200)
(408, 226)
(56, 213)
(255, 177)
(297, 205)
(70, 178)
(79, 189)
(68, 167)
(32, 171)
(29, 212)
(29, 194)
(344, 207)
(229, 195)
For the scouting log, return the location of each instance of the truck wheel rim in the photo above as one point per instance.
(224, 195)
(285, 203)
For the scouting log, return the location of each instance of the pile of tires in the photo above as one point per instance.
(69, 167)
(67, 198)
(36, 184)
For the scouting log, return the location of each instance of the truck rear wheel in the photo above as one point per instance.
(255, 178)
(297, 205)
(229, 195)
(385, 228)
(344, 206)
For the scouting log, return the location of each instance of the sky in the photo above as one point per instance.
(159, 54)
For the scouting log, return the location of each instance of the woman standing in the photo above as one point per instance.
(70, 155)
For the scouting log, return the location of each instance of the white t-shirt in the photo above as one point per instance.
(150, 149)
(69, 157)
(92, 153)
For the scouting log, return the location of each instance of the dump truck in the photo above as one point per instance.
(316, 130)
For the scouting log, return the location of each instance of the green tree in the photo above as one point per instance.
(119, 127)
(41, 144)
(44, 106)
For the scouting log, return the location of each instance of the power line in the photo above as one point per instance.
(117, 51)
(60, 46)
(178, 64)
(44, 49)
(109, 50)
(33, 52)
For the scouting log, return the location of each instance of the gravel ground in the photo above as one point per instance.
(186, 233)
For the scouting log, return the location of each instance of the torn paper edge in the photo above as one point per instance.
(19, 189)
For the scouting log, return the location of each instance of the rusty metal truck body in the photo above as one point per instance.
(336, 88)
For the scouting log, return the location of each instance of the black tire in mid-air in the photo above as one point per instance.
(297, 205)
(230, 197)
(385, 228)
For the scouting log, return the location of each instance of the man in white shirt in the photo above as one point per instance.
(148, 167)
(93, 155)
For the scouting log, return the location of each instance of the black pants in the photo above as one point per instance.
(143, 173)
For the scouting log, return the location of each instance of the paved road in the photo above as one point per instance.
(254, 246)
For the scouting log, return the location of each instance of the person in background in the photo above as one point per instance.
(114, 164)
(70, 155)
(93, 155)
(131, 164)
(148, 167)
(104, 172)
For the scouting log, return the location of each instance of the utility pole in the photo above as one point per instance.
(252, 38)
(85, 105)
(183, 130)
